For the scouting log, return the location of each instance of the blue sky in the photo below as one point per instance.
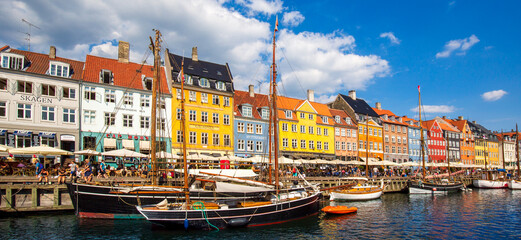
(464, 54)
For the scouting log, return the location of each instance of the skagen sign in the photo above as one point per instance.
(35, 99)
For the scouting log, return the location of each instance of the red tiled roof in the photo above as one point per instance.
(125, 74)
(446, 125)
(390, 114)
(39, 62)
(257, 102)
(343, 115)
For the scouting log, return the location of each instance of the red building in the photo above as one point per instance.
(436, 142)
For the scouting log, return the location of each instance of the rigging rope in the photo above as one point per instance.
(200, 206)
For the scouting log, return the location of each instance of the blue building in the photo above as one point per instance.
(414, 136)
(250, 123)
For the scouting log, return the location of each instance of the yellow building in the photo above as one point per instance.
(493, 153)
(208, 92)
(479, 149)
(375, 138)
(306, 128)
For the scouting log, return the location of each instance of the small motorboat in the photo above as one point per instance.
(339, 210)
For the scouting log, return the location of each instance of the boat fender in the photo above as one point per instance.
(238, 222)
(434, 189)
(186, 224)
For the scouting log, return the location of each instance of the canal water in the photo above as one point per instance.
(479, 214)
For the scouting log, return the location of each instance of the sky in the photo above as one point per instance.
(465, 55)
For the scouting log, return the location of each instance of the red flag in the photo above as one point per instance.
(418, 88)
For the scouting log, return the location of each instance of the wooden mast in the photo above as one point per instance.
(274, 109)
(155, 47)
(517, 151)
(447, 153)
(367, 146)
(421, 133)
(503, 148)
(183, 130)
(270, 129)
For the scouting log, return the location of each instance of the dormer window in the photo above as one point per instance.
(337, 119)
(59, 69)
(289, 114)
(12, 61)
(264, 113)
(147, 84)
(188, 79)
(325, 119)
(221, 86)
(203, 82)
(348, 120)
(219, 73)
(246, 111)
(106, 76)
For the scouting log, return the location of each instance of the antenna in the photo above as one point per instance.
(28, 34)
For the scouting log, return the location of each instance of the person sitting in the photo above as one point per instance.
(62, 175)
(144, 172)
(43, 176)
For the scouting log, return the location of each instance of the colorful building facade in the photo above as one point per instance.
(395, 136)
(346, 137)
(436, 142)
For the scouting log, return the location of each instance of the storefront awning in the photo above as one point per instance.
(109, 143)
(2, 132)
(144, 145)
(128, 144)
(47, 134)
(23, 133)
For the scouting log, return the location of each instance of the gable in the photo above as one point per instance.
(306, 107)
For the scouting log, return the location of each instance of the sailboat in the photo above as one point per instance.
(431, 186)
(515, 184)
(281, 205)
(118, 201)
(491, 178)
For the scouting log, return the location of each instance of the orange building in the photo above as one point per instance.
(395, 135)
(346, 137)
(466, 140)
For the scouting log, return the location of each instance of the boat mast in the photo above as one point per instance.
(270, 129)
(486, 153)
(421, 133)
(155, 47)
(183, 130)
(517, 151)
(367, 146)
(274, 109)
(447, 152)
(503, 148)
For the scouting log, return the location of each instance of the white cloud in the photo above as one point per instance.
(435, 109)
(391, 37)
(262, 6)
(293, 18)
(460, 46)
(493, 95)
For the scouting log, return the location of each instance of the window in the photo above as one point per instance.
(23, 141)
(288, 114)
(69, 93)
(311, 130)
(337, 145)
(240, 127)
(188, 79)
(302, 129)
(379, 132)
(326, 132)
(12, 61)
(319, 145)
(326, 146)
(47, 113)
(193, 115)
(342, 132)
(59, 69)
(264, 113)
(311, 144)
(399, 140)
(284, 127)
(144, 100)
(204, 117)
(246, 111)
(284, 142)
(215, 99)
(178, 91)
(294, 143)
(259, 147)
(258, 129)
(337, 119)
(343, 145)
(128, 120)
(310, 116)
(128, 99)
(392, 128)
(250, 146)
(89, 116)
(302, 115)
(215, 118)
(215, 139)
(204, 97)
(221, 86)
(192, 96)
(226, 140)
(325, 119)
(3, 84)
(226, 101)
(348, 146)
(403, 129)
(90, 93)
(240, 144)
(319, 131)
(226, 119)
(294, 127)
(337, 131)
(398, 129)
(145, 122)
(203, 82)
(192, 138)
(303, 144)
(48, 90)
(353, 133)
(147, 84)
(3, 109)
(348, 120)
(25, 87)
(179, 136)
(249, 128)
(110, 119)
(110, 96)
(24, 111)
(106, 77)
(204, 138)
(354, 146)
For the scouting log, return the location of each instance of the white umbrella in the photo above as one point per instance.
(167, 155)
(234, 158)
(258, 159)
(4, 148)
(410, 164)
(355, 162)
(40, 150)
(124, 153)
(87, 152)
(285, 160)
(338, 162)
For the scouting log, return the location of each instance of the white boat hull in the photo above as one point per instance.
(514, 185)
(480, 183)
(355, 196)
(415, 190)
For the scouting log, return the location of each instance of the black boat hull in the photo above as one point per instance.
(418, 187)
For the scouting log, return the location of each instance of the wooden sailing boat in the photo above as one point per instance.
(515, 184)
(490, 178)
(431, 186)
(280, 206)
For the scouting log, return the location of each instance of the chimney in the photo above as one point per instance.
(194, 54)
(123, 52)
(311, 95)
(474, 122)
(460, 117)
(250, 88)
(378, 106)
(52, 52)
(352, 94)
(444, 117)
